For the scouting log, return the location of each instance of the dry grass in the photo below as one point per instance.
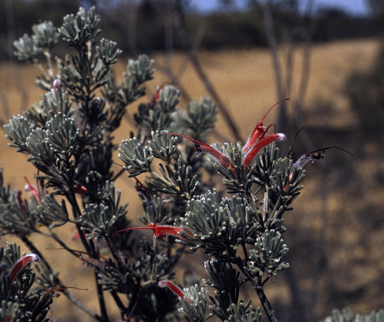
(245, 81)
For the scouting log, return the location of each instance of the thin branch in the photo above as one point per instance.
(175, 80)
(263, 298)
(118, 302)
(183, 35)
(272, 44)
(194, 48)
(72, 298)
(81, 306)
(100, 296)
(33, 249)
(118, 174)
(57, 239)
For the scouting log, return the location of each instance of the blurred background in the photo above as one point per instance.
(327, 56)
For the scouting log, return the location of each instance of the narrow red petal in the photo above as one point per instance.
(203, 147)
(20, 264)
(156, 97)
(175, 289)
(19, 201)
(79, 189)
(33, 190)
(259, 129)
(261, 144)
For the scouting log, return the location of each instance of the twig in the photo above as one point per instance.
(100, 297)
(33, 249)
(183, 35)
(261, 294)
(81, 305)
(268, 24)
(71, 251)
(118, 302)
(72, 298)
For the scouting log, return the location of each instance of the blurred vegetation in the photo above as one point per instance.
(365, 91)
(224, 29)
(16, 17)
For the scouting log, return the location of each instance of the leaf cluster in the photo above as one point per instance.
(18, 302)
(345, 315)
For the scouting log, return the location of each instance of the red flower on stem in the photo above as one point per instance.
(256, 141)
(259, 131)
(175, 289)
(161, 231)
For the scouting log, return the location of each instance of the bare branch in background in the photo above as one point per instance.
(284, 87)
(272, 43)
(184, 37)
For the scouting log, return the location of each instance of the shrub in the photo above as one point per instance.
(68, 137)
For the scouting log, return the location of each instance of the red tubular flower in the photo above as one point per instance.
(160, 230)
(260, 130)
(203, 147)
(261, 144)
(256, 141)
(79, 189)
(20, 264)
(175, 289)
(30, 187)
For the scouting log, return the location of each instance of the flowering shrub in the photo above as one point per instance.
(68, 137)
